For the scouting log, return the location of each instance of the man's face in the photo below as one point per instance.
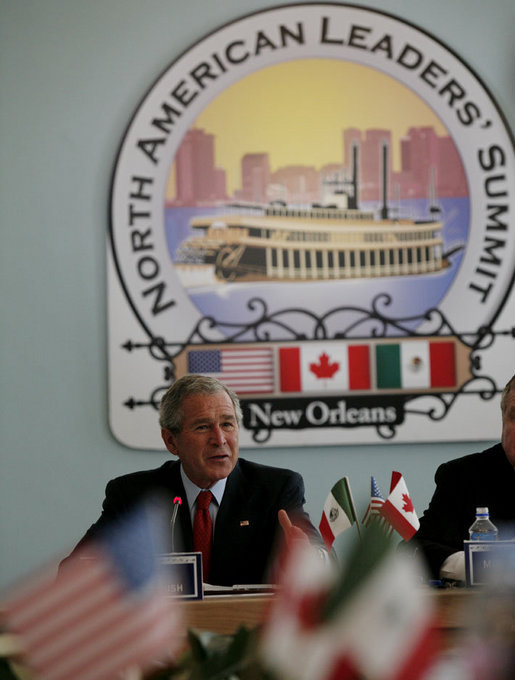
(207, 444)
(508, 428)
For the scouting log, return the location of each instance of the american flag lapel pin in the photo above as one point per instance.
(244, 523)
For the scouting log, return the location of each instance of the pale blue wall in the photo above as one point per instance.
(72, 73)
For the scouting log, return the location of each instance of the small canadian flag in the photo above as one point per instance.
(315, 367)
(398, 509)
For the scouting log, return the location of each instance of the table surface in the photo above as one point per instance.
(224, 613)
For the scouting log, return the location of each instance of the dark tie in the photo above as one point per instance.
(203, 531)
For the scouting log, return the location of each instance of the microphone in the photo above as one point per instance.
(176, 502)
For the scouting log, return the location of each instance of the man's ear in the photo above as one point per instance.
(169, 439)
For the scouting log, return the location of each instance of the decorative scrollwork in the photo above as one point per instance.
(386, 431)
(297, 324)
(436, 406)
(153, 400)
(262, 435)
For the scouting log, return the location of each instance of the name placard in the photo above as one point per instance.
(485, 559)
(183, 575)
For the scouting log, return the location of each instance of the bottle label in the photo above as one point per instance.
(483, 536)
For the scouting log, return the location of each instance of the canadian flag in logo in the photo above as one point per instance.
(318, 366)
(324, 368)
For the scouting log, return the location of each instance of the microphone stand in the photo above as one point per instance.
(176, 502)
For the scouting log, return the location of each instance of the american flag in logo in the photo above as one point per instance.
(107, 611)
(246, 370)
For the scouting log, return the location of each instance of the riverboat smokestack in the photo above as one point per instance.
(384, 210)
(353, 200)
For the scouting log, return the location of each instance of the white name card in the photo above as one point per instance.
(183, 575)
(485, 560)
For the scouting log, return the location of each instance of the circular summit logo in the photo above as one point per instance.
(310, 172)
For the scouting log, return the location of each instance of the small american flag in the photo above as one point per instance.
(246, 370)
(376, 502)
(106, 612)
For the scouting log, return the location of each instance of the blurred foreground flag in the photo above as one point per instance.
(371, 621)
(106, 612)
(296, 642)
(339, 512)
(398, 508)
(389, 626)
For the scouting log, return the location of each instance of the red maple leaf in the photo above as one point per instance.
(408, 505)
(324, 369)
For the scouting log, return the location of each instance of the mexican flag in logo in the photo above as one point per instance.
(415, 364)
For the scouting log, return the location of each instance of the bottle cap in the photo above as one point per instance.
(481, 511)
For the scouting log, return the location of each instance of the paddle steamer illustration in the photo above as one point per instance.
(324, 241)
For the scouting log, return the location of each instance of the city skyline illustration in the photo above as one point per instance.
(430, 168)
(317, 109)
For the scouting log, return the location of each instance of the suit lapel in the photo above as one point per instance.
(234, 522)
(234, 498)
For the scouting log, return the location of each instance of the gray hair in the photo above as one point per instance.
(510, 385)
(171, 415)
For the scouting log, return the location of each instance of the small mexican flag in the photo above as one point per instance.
(339, 512)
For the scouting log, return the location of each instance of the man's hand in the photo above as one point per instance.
(294, 538)
(291, 532)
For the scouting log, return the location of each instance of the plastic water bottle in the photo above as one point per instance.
(483, 529)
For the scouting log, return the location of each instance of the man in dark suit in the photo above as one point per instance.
(200, 420)
(485, 479)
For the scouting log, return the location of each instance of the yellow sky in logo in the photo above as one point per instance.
(296, 112)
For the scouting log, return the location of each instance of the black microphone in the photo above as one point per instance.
(176, 502)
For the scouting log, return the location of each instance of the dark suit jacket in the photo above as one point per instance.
(462, 485)
(246, 528)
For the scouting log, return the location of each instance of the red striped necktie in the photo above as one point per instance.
(203, 531)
